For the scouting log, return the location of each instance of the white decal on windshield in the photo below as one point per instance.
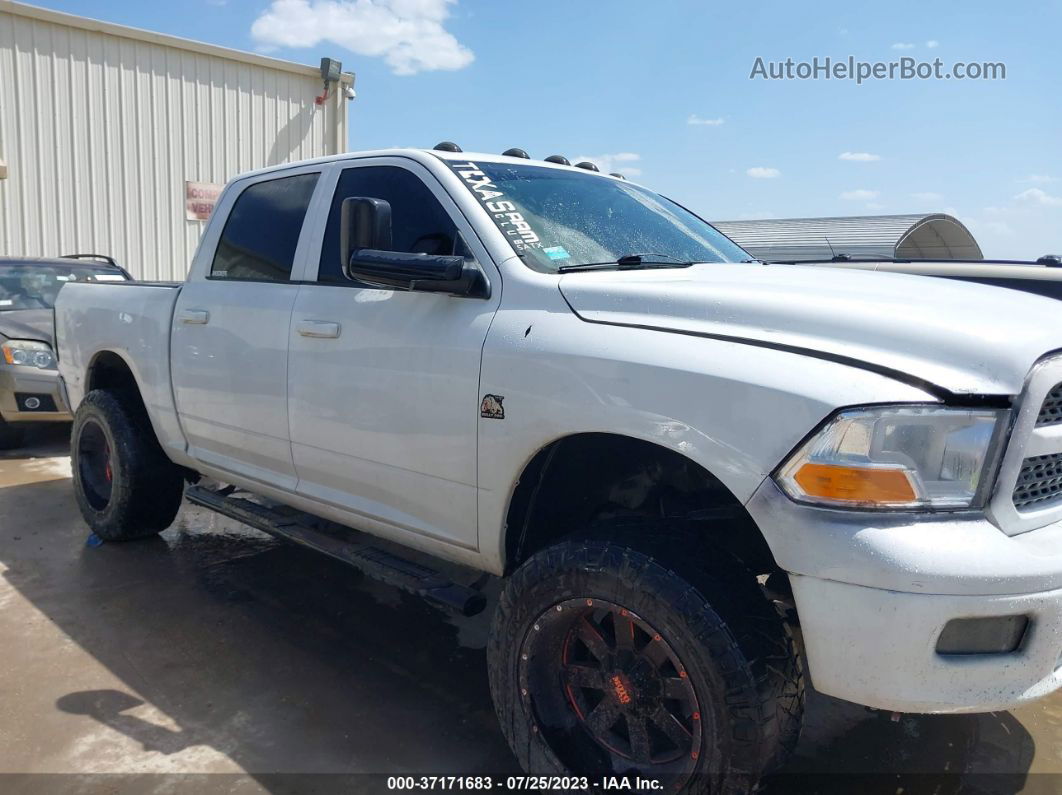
(509, 220)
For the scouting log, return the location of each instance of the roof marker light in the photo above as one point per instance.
(516, 152)
(587, 165)
(560, 160)
(447, 146)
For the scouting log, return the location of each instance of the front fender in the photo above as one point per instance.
(733, 409)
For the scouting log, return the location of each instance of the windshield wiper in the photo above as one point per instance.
(630, 262)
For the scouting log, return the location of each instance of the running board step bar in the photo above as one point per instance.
(373, 562)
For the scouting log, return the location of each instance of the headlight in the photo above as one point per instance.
(29, 353)
(897, 457)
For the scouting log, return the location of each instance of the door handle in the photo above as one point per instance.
(199, 317)
(319, 329)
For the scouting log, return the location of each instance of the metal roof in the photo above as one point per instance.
(937, 236)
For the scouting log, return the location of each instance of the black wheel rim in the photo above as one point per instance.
(94, 465)
(609, 694)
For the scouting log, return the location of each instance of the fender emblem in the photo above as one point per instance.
(491, 408)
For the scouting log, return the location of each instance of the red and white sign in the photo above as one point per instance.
(199, 199)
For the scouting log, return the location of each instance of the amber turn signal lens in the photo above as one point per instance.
(854, 484)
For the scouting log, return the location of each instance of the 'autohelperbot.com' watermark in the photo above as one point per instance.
(850, 68)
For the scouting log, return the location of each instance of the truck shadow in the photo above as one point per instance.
(276, 660)
(846, 748)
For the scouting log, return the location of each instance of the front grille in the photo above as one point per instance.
(1051, 411)
(1039, 482)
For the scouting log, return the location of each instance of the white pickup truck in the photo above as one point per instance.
(672, 454)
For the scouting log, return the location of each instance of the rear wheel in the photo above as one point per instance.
(10, 435)
(125, 486)
(606, 662)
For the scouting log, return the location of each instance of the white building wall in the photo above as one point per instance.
(101, 126)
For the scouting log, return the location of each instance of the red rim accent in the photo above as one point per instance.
(623, 684)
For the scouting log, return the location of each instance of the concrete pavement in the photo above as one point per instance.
(216, 658)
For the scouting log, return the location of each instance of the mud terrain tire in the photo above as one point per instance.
(125, 485)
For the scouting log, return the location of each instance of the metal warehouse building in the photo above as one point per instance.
(115, 140)
(934, 236)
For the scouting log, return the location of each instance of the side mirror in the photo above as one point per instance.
(364, 223)
(365, 243)
(430, 273)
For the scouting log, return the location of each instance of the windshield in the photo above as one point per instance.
(35, 286)
(558, 218)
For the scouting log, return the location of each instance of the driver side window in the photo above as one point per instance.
(419, 224)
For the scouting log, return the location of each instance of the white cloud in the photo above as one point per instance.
(932, 44)
(903, 45)
(763, 172)
(696, 120)
(613, 163)
(1025, 228)
(1039, 179)
(926, 196)
(1001, 228)
(408, 34)
(1038, 196)
(859, 195)
(858, 157)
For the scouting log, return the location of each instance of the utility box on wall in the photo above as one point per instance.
(115, 138)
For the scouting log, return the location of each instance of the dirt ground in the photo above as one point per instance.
(215, 658)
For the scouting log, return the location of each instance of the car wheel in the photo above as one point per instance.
(604, 661)
(125, 485)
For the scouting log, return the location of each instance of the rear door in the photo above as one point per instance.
(384, 392)
(231, 328)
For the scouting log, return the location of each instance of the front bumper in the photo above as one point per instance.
(878, 648)
(874, 591)
(17, 383)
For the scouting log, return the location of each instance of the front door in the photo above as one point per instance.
(384, 401)
(230, 335)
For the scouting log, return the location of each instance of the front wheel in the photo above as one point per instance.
(605, 662)
(125, 485)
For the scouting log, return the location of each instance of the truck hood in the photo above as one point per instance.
(962, 338)
(28, 324)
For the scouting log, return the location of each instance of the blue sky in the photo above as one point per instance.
(625, 77)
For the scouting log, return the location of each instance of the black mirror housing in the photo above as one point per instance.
(364, 223)
(432, 273)
(365, 248)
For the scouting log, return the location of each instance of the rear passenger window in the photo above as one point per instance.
(262, 230)
(419, 224)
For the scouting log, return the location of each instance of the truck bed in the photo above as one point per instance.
(131, 320)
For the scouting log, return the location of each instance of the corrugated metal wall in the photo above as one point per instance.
(100, 131)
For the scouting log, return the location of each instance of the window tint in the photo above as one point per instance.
(419, 223)
(262, 230)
